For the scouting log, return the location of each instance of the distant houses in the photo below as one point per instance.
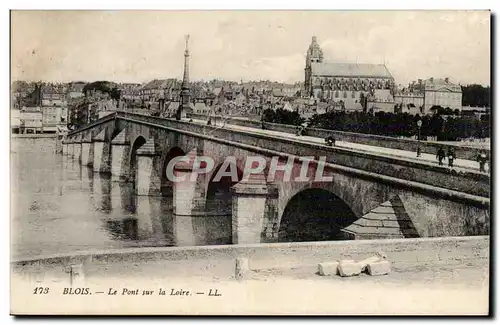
(46, 107)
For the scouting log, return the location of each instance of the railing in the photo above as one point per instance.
(429, 147)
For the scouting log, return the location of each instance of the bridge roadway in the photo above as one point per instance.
(459, 164)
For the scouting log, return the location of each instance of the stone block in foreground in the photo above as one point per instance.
(242, 269)
(329, 268)
(349, 268)
(379, 268)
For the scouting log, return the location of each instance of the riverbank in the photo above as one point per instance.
(442, 276)
(426, 289)
(436, 250)
(33, 136)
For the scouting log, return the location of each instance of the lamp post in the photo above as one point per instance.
(419, 125)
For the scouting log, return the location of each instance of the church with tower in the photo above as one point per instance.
(345, 82)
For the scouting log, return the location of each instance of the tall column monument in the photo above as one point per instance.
(185, 92)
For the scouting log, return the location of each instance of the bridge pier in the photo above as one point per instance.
(75, 149)
(71, 148)
(149, 218)
(65, 148)
(120, 149)
(184, 191)
(101, 154)
(87, 151)
(191, 224)
(148, 180)
(249, 208)
(78, 151)
(183, 204)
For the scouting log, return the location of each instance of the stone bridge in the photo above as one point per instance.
(360, 195)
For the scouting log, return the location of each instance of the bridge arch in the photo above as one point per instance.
(136, 144)
(219, 197)
(315, 214)
(166, 184)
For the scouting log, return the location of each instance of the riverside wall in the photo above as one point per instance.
(401, 252)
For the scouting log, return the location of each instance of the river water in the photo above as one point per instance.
(61, 207)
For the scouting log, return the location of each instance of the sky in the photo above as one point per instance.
(138, 46)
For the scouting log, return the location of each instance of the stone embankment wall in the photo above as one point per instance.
(401, 252)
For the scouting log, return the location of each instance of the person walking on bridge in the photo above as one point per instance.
(451, 156)
(330, 140)
(440, 156)
(482, 158)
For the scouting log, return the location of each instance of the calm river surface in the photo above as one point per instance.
(60, 207)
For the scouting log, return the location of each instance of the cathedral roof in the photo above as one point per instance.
(333, 69)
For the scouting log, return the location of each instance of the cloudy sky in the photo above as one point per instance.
(137, 46)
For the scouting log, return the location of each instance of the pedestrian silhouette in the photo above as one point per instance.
(440, 155)
(451, 156)
(482, 158)
(330, 140)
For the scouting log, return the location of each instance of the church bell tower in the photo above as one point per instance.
(314, 55)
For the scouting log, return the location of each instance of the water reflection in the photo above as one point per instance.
(138, 220)
(123, 229)
(60, 206)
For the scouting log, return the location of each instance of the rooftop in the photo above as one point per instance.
(441, 85)
(350, 70)
(162, 84)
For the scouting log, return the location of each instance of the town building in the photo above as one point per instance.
(15, 120)
(75, 90)
(442, 92)
(346, 82)
(54, 108)
(419, 97)
(156, 93)
(409, 102)
(53, 116)
(31, 120)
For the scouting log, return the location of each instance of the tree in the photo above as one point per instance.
(363, 101)
(436, 109)
(476, 96)
(115, 93)
(103, 86)
(268, 116)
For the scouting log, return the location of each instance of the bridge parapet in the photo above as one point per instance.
(430, 147)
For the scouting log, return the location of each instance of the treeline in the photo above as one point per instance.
(104, 87)
(282, 116)
(476, 96)
(443, 127)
